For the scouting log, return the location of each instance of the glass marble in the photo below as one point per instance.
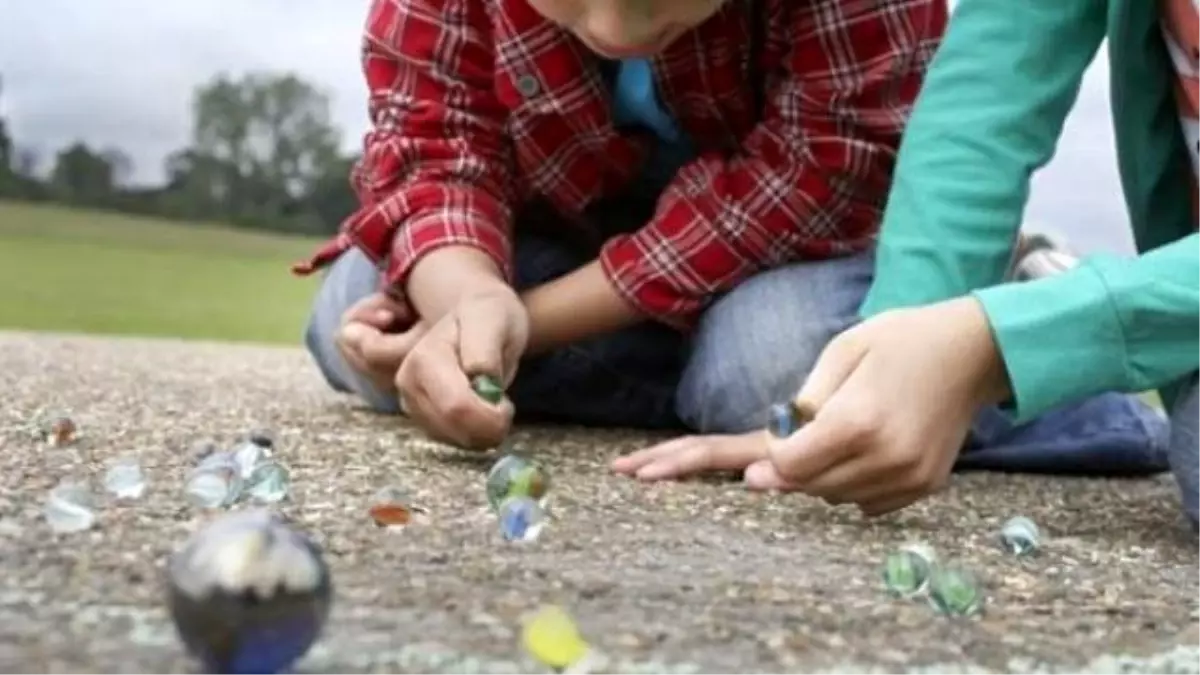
(70, 507)
(906, 572)
(1020, 536)
(248, 455)
(263, 438)
(515, 476)
(125, 479)
(551, 636)
(248, 594)
(392, 507)
(215, 482)
(57, 430)
(785, 419)
(521, 519)
(488, 388)
(955, 592)
(269, 482)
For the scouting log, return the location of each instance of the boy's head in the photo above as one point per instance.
(621, 29)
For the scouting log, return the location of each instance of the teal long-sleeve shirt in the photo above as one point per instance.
(990, 114)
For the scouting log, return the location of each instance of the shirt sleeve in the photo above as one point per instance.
(989, 115)
(1111, 324)
(436, 168)
(809, 180)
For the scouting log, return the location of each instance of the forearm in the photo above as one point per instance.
(574, 307)
(975, 137)
(435, 178)
(442, 277)
(1112, 324)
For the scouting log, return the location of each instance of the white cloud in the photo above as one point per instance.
(121, 72)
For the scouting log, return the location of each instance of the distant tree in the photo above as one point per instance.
(81, 176)
(263, 153)
(260, 144)
(120, 163)
(194, 189)
(6, 142)
(330, 198)
(26, 162)
(8, 181)
(6, 149)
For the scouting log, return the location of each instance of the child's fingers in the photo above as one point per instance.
(693, 455)
(628, 464)
(416, 406)
(482, 341)
(377, 310)
(686, 462)
(438, 392)
(349, 342)
(704, 453)
(386, 351)
(839, 359)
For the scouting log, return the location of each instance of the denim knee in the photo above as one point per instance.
(757, 344)
(1184, 452)
(351, 278)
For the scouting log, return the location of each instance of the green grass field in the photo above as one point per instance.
(89, 272)
(84, 271)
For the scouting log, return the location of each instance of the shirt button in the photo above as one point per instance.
(528, 86)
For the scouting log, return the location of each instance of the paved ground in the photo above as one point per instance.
(699, 577)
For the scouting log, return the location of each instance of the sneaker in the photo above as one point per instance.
(1039, 256)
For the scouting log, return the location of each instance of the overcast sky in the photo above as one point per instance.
(121, 73)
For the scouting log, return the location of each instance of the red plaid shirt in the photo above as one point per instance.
(479, 105)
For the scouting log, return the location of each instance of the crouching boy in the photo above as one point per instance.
(643, 213)
(661, 211)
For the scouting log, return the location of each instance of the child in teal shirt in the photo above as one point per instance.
(989, 115)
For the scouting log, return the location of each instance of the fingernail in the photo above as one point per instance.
(625, 467)
(385, 315)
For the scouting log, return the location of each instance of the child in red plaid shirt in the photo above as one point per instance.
(660, 210)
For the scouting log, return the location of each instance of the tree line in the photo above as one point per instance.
(263, 154)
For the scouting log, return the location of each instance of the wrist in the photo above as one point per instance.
(442, 278)
(991, 381)
(573, 307)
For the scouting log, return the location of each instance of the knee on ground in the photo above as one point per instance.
(756, 345)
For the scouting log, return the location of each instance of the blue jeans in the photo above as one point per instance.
(1184, 451)
(752, 347)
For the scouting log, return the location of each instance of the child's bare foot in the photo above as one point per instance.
(692, 455)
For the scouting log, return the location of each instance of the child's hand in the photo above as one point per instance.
(896, 395)
(485, 333)
(690, 456)
(368, 342)
(380, 311)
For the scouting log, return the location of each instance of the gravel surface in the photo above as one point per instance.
(694, 577)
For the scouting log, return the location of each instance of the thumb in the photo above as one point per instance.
(804, 455)
(762, 475)
(839, 358)
(828, 438)
(484, 344)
